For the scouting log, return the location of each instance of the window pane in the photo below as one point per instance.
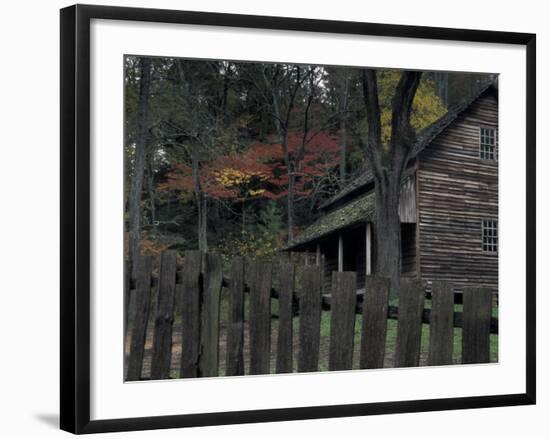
(489, 236)
(487, 143)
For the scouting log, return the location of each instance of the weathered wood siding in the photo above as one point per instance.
(408, 249)
(407, 200)
(456, 190)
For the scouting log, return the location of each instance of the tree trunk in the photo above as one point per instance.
(443, 87)
(282, 131)
(388, 231)
(290, 207)
(200, 199)
(388, 165)
(282, 127)
(203, 241)
(136, 188)
(343, 153)
(343, 132)
(151, 189)
(243, 225)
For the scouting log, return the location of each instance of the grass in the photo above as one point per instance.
(391, 338)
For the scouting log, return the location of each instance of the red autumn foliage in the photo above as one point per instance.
(308, 160)
(261, 170)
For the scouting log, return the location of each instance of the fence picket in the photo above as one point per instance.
(194, 293)
(310, 320)
(189, 294)
(441, 324)
(162, 338)
(260, 317)
(235, 329)
(409, 323)
(212, 276)
(285, 333)
(374, 324)
(141, 313)
(342, 320)
(476, 325)
(127, 297)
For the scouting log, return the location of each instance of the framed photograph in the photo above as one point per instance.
(268, 219)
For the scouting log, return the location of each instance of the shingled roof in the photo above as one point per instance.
(356, 211)
(424, 138)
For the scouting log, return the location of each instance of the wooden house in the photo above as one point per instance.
(448, 206)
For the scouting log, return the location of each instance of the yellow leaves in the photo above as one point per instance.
(235, 178)
(385, 120)
(229, 177)
(254, 193)
(427, 107)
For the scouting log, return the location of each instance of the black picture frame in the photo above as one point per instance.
(75, 217)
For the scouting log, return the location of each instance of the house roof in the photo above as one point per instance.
(424, 138)
(359, 210)
(361, 178)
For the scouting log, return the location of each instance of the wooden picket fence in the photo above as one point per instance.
(193, 292)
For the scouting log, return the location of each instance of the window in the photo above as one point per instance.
(489, 234)
(487, 143)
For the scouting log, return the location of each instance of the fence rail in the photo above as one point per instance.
(193, 293)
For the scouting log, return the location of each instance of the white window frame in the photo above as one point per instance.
(489, 235)
(488, 151)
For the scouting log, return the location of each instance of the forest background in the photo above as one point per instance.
(236, 157)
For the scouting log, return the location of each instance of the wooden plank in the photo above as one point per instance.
(212, 276)
(140, 318)
(127, 297)
(131, 313)
(235, 328)
(260, 317)
(409, 323)
(407, 200)
(374, 324)
(162, 338)
(476, 325)
(189, 293)
(342, 320)
(441, 324)
(310, 320)
(285, 333)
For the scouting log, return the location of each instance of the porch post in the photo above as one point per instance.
(318, 254)
(368, 249)
(340, 253)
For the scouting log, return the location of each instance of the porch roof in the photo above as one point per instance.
(361, 209)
